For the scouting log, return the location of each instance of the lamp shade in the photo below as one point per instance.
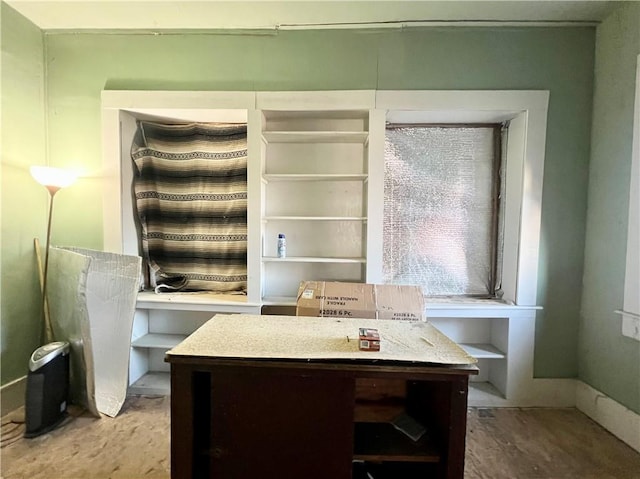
(54, 177)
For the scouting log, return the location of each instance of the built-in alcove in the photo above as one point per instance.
(161, 320)
(316, 159)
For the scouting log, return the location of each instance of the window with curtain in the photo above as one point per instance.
(190, 189)
(442, 204)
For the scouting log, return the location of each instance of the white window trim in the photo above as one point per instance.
(122, 107)
(527, 113)
(631, 309)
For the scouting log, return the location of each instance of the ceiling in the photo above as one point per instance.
(158, 15)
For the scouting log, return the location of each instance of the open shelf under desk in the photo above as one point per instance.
(382, 442)
(394, 470)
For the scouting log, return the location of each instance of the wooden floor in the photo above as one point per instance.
(501, 444)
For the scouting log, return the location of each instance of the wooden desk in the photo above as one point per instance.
(287, 417)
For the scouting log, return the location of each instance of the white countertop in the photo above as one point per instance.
(299, 337)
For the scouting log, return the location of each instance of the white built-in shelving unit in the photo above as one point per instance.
(316, 173)
(162, 322)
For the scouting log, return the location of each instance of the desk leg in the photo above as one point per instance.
(442, 406)
(181, 422)
(457, 428)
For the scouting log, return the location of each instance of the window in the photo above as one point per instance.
(441, 208)
(190, 187)
(522, 166)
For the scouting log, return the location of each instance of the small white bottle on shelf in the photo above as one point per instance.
(282, 246)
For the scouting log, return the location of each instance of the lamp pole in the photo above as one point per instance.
(48, 330)
(53, 179)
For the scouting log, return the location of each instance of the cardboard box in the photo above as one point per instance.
(360, 300)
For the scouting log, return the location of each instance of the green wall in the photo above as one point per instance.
(80, 65)
(609, 361)
(24, 202)
(561, 60)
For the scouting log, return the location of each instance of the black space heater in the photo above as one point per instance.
(47, 388)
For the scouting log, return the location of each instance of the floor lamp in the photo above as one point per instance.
(53, 179)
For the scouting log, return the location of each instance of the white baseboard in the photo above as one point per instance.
(631, 326)
(537, 392)
(12, 395)
(544, 392)
(613, 416)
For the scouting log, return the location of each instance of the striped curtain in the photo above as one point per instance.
(190, 187)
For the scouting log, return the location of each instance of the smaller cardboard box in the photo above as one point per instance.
(360, 300)
(368, 339)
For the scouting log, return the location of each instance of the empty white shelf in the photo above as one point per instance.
(313, 177)
(315, 136)
(315, 218)
(483, 351)
(311, 259)
(482, 393)
(158, 340)
(153, 383)
(219, 303)
(279, 300)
